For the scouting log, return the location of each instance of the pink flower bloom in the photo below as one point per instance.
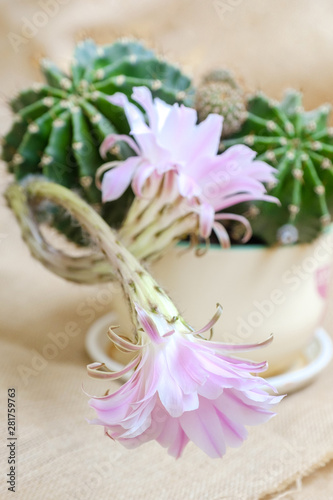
(173, 141)
(183, 388)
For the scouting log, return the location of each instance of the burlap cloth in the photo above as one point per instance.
(271, 46)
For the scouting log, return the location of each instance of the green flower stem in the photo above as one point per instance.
(137, 283)
(150, 228)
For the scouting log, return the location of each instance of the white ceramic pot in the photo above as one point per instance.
(262, 290)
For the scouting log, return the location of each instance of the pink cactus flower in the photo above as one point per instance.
(173, 141)
(184, 388)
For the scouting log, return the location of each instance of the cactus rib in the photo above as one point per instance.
(300, 145)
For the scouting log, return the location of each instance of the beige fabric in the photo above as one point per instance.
(60, 455)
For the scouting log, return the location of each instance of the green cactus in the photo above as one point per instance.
(219, 93)
(59, 125)
(300, 145)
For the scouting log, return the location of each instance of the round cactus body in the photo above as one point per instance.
(219, 93)
(59, 126)
(299, 145)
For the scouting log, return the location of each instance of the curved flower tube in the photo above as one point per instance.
(174, 142)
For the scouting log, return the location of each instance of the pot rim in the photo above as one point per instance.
(258, 246)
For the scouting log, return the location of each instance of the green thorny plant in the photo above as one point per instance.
(300, 145)
(59, 126)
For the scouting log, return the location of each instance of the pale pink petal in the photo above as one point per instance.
(171, 435)
(226, 189)
(144, 135)
(212, 322)
(119, 99)
(121, 342)
(171, 395)
(116, 181)
(178, 120)
(224, 374)
(233, 433)
(204, 429)
(190, 401)
(259, 396)
(139, 420)
(207, 137)
(182, 365)
(206, 220)
(110, 413)
(243, 364)
(200, 170)
(143, 173)
(133, 114)
(192, 367)
(188, 188)
(236, 409)
(234, 347)
(221, 234)
(239, 153)
(142, 95)
(112, 139)
(212, 388)
(152, 152)
(148, 325)
(163, 110)
(241, 198)
(238, 218)
(261, 171)
(93, 370)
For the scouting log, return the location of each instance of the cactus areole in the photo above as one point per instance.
(300, 145)
(59, 126)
